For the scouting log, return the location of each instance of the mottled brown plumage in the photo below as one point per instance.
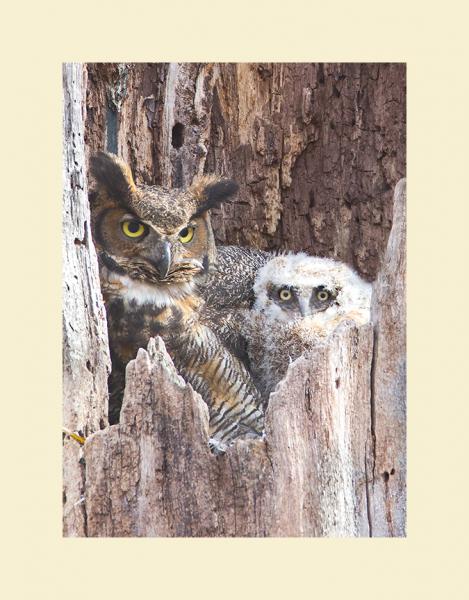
(154, 247)
(228, 293)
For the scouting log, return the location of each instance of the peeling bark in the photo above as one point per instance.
(153, 474)
(85, 347)
(317, 150)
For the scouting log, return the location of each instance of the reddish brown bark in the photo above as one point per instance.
(317, 151)
(316, 148)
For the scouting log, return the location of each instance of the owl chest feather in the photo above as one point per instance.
(137, 311)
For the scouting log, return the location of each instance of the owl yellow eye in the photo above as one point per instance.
(186, 235)
(133, 229)
(322, 295)
(284, 294)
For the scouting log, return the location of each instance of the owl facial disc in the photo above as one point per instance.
(151, 234)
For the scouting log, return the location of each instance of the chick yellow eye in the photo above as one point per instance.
(133, 229)
(322, 295)
(186, 235)
(284, 294)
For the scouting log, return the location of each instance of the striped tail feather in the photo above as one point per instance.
(223, 382)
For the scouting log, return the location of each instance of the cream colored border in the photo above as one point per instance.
(431, 562)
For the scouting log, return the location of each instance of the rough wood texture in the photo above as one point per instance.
(316, 148)
(85, 348)
(389, 381)
(332, 462)
(153, 475)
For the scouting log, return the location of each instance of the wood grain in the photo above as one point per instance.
(86, 362)
(317, 150)
(153, 475)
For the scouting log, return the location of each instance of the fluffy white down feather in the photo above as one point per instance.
(132, 290)
(303, 271)
(275, 336)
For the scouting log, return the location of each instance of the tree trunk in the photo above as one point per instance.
(153, 474)
(389, 381)
(332, 462)
(86, 362)
(317, 150)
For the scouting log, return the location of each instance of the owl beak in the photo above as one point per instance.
(305, 308)
(163, 261)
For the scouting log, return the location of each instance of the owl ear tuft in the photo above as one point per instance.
(113, 174)
(214, 193)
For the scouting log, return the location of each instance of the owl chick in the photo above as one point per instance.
(299, 299)
(154, 245)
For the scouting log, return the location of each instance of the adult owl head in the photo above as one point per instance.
(162, 237)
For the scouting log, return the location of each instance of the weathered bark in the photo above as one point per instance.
(388, 492)
(85, 348)
(153, 474)
(316, 148)
(332, 462)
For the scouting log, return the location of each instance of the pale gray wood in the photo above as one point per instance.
(333, 459)
(319, 436)
(85, 347)
(153, 475)
(388, 488)
(150, 475)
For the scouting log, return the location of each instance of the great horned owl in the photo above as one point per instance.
(299, 299)
(154, 245)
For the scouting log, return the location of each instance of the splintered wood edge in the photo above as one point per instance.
(297, 365)
(156, 356)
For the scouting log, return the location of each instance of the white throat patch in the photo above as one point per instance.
(132, 290)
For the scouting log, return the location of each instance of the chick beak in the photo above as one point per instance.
(305, 308)
(163, 261)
